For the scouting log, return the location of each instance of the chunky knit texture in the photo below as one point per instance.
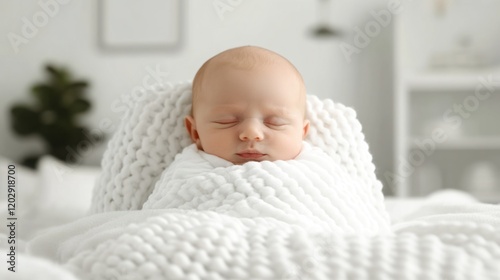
(311, 191)
(152, 132)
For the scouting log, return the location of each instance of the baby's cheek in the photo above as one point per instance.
(287, 146)
(216, 143)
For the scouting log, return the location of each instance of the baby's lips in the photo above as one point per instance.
(251, 155)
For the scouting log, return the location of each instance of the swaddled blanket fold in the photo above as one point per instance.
(311, 191)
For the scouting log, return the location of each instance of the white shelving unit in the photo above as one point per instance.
(452, 79)
(447, 121)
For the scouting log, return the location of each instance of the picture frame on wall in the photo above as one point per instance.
(147, 25)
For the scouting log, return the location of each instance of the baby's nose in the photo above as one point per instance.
(251, 130)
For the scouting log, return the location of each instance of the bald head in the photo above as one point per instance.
(242, 58)
(248, 98)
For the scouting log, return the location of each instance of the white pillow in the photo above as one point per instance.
(66, 187)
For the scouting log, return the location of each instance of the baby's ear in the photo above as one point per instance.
(305, 128)
(191, 129)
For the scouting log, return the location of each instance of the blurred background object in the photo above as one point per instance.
(323, 28)
(481, 179)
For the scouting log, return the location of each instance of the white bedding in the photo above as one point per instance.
(435, 245)
(415, 211)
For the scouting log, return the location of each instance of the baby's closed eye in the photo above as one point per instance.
(275, 121)
(226, 121)
(272, 122)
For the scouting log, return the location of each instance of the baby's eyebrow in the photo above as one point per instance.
(229, 105)
(235, 107)
(278, 110)
(269, 109)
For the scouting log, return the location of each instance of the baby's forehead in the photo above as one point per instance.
(248, 58)
(234, 70)
(244, 58)
(262, 83)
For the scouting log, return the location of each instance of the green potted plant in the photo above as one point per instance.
(54, 116)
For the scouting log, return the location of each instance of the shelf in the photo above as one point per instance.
(424, 96)
(477, 143)
(454, 79)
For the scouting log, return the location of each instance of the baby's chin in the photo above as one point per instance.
(242, 159)
(239, 160)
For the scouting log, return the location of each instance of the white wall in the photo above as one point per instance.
(70, 39)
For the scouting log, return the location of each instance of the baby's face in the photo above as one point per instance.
(250, 115)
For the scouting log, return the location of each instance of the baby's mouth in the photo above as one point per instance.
(251, 154)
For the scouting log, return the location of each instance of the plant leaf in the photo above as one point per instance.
(52, 70)
(31, 161)
(79, 106)
(57, 134)
(80, 85)
(59, 76)
(25, 120)
(48, 96)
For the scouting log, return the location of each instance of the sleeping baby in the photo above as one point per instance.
(249, 158)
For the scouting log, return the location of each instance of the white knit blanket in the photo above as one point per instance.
(299, 219)
(312, 191)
